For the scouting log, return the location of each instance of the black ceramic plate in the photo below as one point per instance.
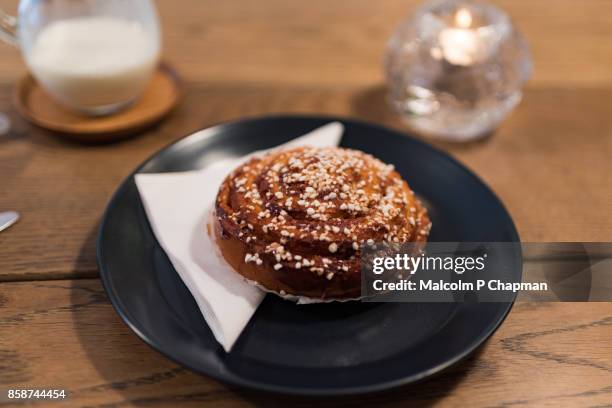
(324, 349)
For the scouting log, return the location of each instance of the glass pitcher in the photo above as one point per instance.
(95, 56)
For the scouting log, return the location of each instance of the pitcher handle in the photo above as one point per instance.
(8, 28)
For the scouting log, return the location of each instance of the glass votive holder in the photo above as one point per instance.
(455, 69)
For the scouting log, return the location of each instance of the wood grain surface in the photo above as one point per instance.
(564, 359)
(549, 163)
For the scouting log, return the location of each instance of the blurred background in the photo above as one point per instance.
(340, 43)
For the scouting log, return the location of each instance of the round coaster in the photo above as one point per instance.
(157, 100)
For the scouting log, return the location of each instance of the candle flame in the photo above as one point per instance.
(463, 18)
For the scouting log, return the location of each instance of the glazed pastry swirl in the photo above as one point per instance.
(308, 211)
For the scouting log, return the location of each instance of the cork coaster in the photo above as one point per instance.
(157, 100)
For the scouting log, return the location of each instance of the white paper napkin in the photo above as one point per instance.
(178, 206)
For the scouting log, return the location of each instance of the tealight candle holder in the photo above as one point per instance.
(456, 69)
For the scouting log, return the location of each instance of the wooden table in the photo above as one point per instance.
(550, 163)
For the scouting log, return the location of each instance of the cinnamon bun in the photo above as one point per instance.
(294, 221)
